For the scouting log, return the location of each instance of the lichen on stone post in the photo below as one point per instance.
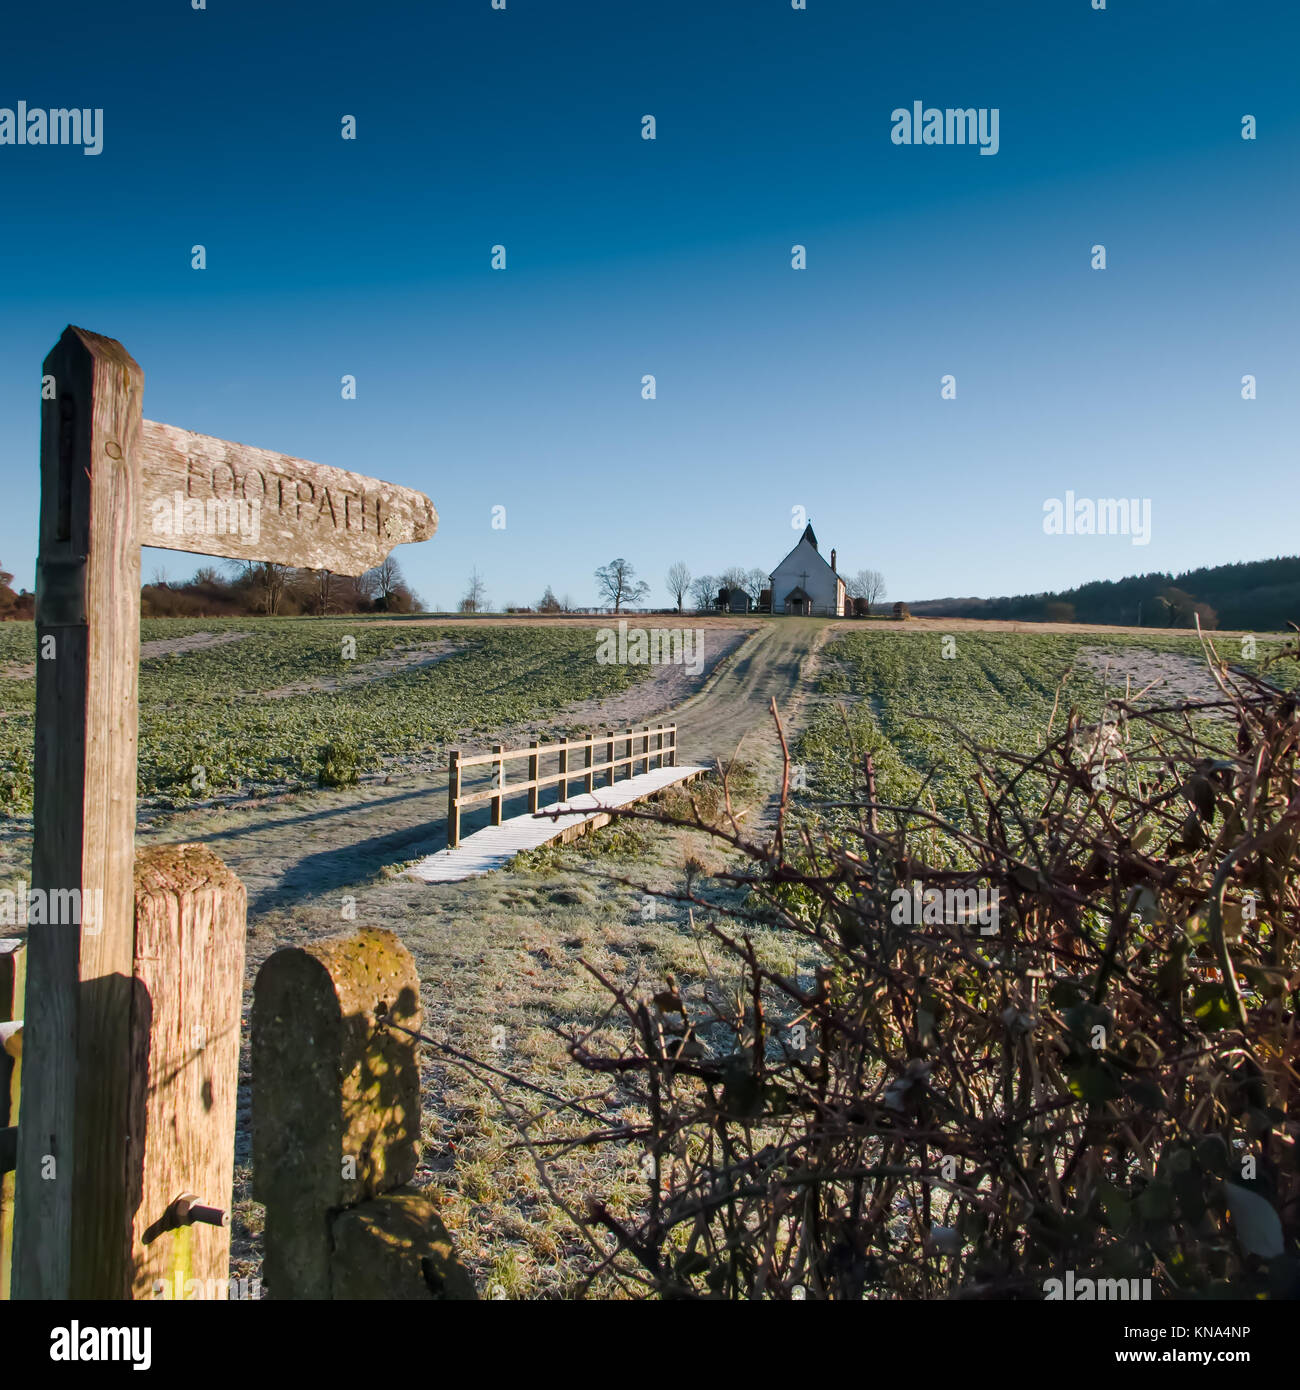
(396, 1249)
(336, 1094)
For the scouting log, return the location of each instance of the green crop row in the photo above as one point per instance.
(207, 725)
(897, 696)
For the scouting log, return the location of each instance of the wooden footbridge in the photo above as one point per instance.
(563, 819)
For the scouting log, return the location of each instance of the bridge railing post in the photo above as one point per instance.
(498, 782)
(453, 799)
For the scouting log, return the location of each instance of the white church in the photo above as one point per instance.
(804, 584)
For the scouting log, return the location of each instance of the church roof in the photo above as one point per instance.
(809, 536)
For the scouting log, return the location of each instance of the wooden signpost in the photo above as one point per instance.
(116, 1011)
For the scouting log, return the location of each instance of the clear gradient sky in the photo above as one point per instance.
(776, 388)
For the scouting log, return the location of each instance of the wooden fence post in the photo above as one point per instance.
(11, 1039)
(589, 781)
(13, 979)
(563, 787)
(72, 1225)
(631, 766)
(13, 959)
(190, 913)
(499, 782)
(659, 744)
(609, 758)
(533, 762)
(672, 746)
(336, 1125)
(453, 799)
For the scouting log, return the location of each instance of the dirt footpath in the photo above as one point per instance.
(1163, 676)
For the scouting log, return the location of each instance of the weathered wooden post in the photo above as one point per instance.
(13, 978)
(631, 766)
(563, 787)
(453, 799)
(70, 1238)
(609, 759)
(659, 745)
(13, 963)
(189, 966)
(336, 1125)
(588, 781)
(498, 782)
(533, 759)
(11, 1041)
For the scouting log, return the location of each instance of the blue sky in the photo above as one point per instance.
(777, 388)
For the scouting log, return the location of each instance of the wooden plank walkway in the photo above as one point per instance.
(496, 845)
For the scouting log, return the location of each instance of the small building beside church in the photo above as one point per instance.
(805, 584)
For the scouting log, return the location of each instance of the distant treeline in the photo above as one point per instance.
(15, 605)
(278, 591)
(1263, 595)
(241, 589)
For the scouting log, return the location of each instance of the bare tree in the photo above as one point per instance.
(475, 599)
(275, 580)
(704, 592)
(751, 581)
(617, 583)
(356, 593)
(868, 585)
(318, 589)
(678, 581)
(269, 582)
(386, 578)
(366, 587)
(9, 599)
